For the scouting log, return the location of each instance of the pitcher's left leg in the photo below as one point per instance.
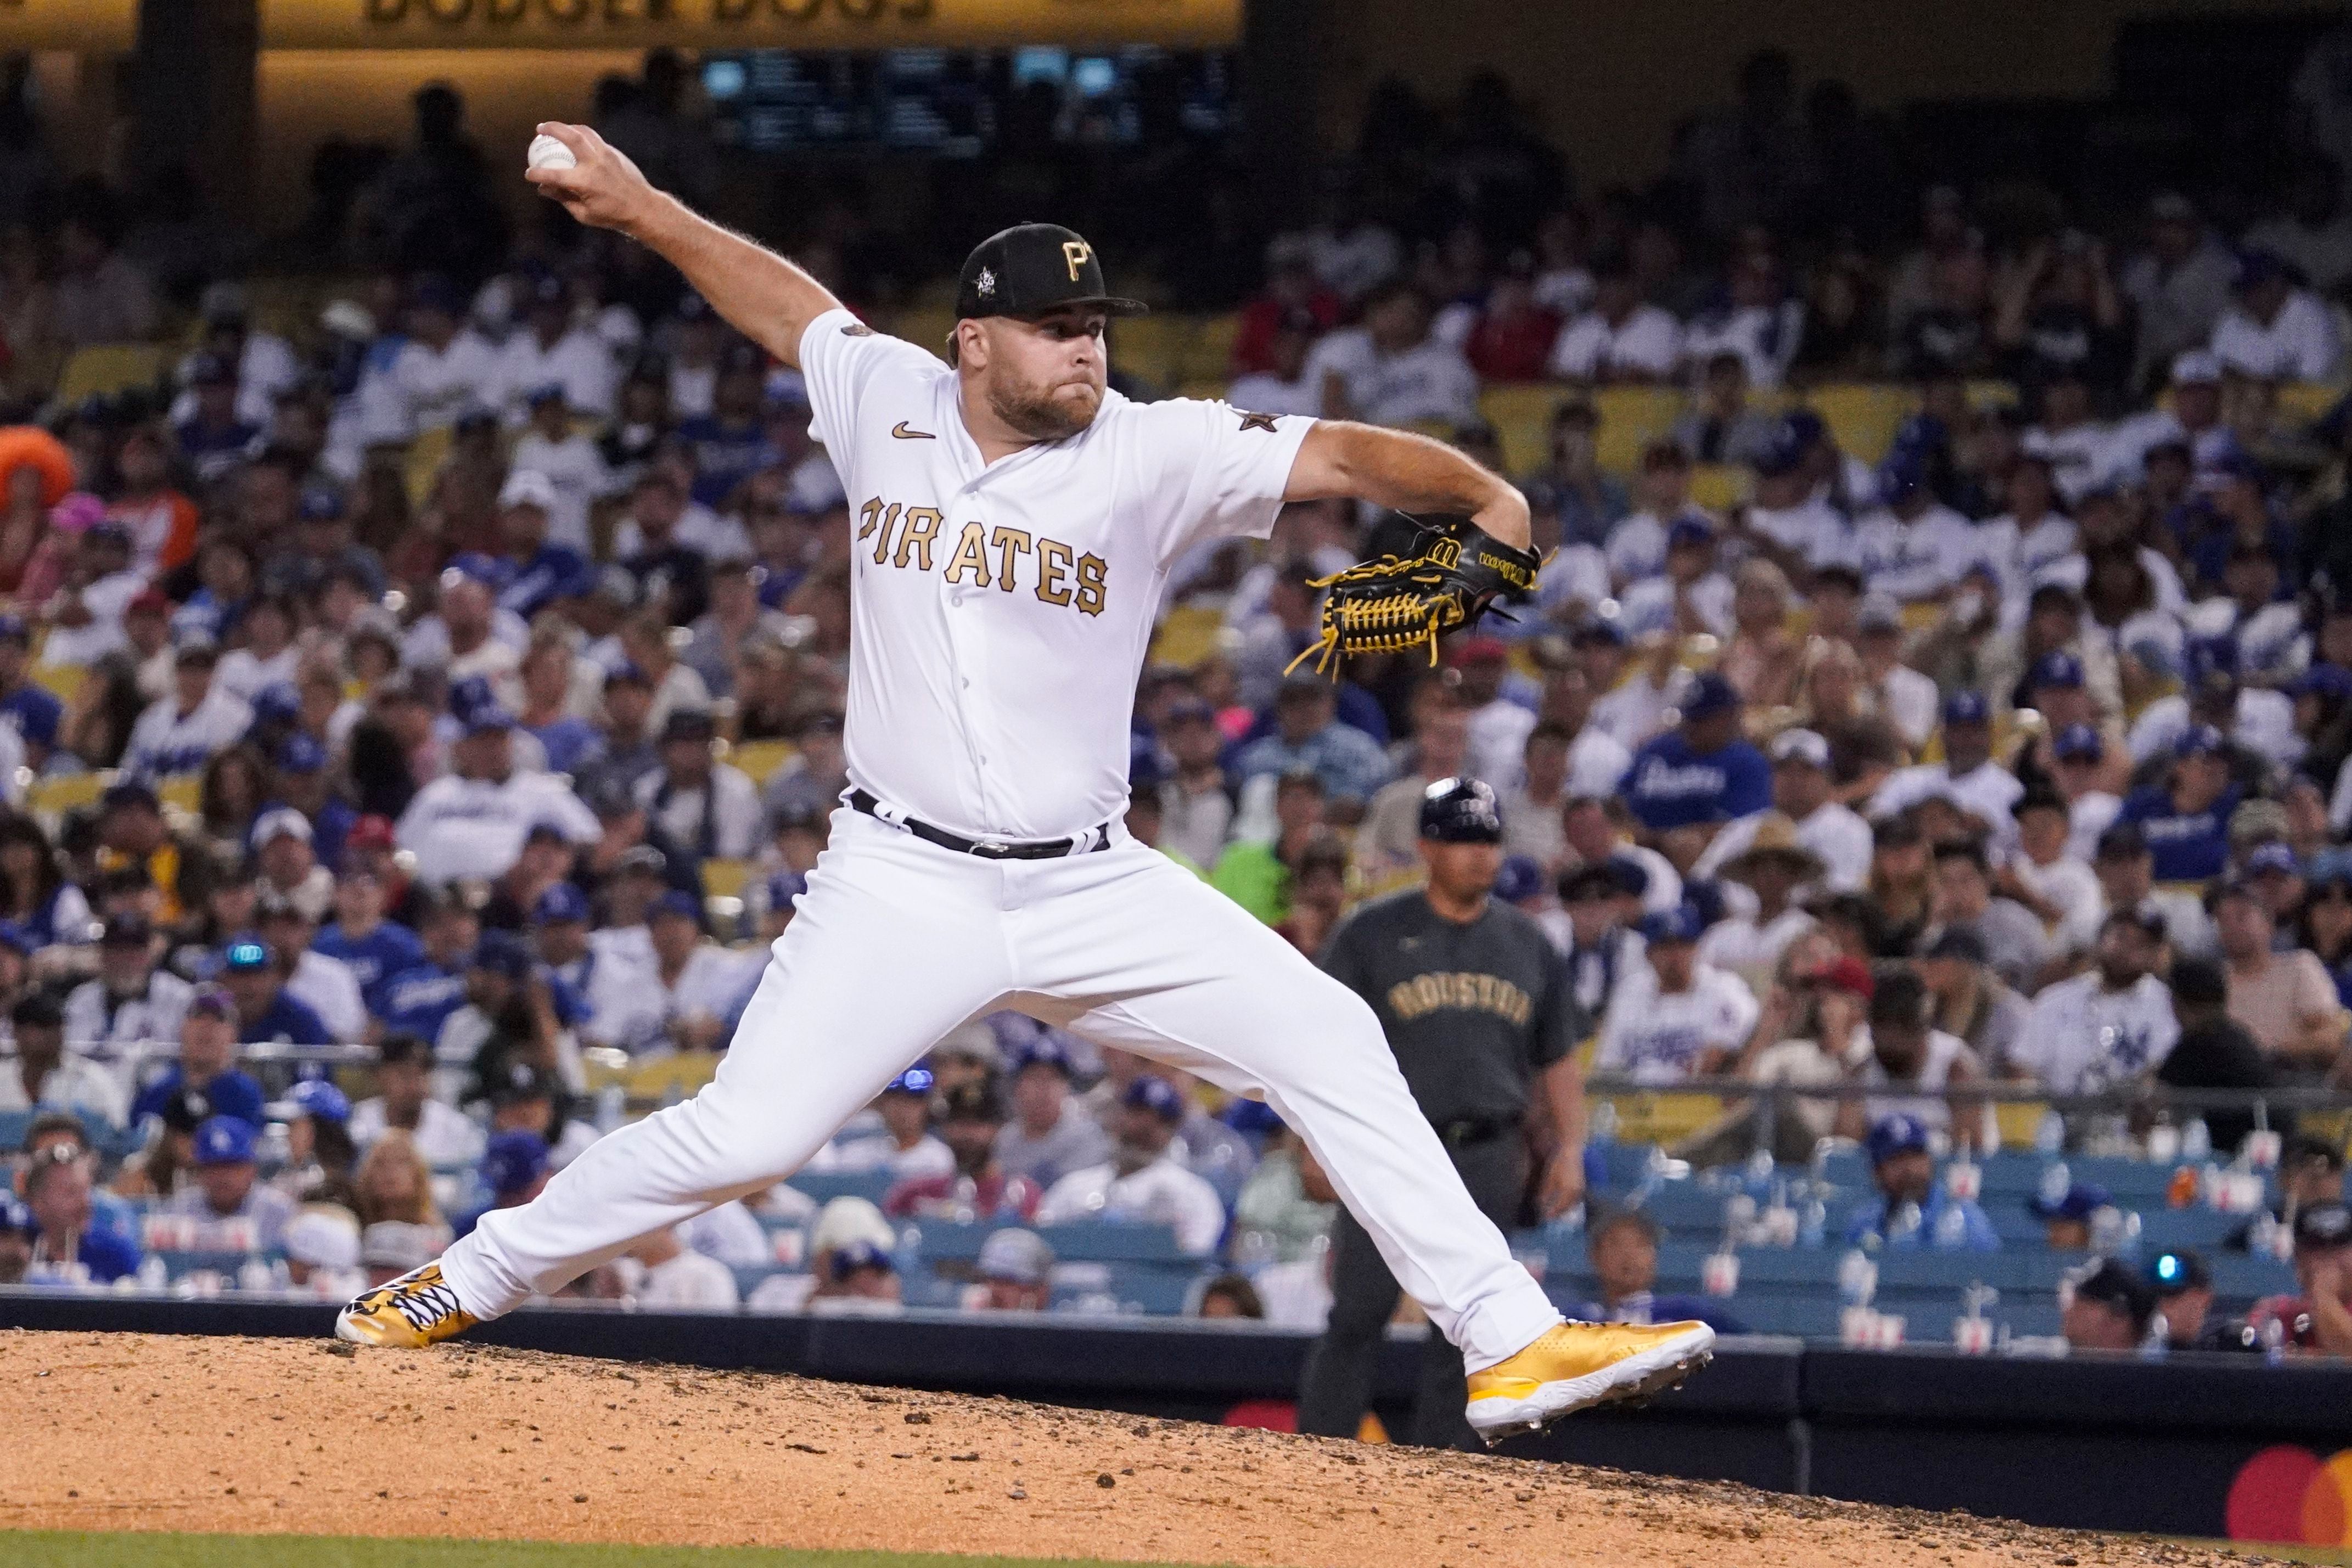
(1146, 957)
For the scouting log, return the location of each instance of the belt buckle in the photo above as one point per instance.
(991, 849)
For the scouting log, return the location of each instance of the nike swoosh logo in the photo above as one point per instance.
(903, 433)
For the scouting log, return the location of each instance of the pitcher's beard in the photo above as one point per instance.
(1039, 415)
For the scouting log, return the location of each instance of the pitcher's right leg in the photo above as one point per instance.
(893, 945)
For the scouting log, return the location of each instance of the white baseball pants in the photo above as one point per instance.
(897, 941)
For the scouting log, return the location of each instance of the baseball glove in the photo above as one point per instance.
(1393, 605)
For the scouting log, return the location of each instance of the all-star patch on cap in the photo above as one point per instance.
(1031, 268)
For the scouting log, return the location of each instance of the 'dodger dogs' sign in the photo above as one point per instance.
(730, 24)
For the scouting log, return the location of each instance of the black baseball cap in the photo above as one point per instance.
(2323, 1227)
(1460, 811)
(1031, 268)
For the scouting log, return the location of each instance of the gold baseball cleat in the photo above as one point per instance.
(416, 1310)
(1578, 1365)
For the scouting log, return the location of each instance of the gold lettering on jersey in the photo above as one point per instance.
(971, 559)
(1052, 564)
(1465, 992)
(1010, 543)
(922, 526)
(903, 536)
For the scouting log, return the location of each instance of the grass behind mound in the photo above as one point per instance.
(131, 1549)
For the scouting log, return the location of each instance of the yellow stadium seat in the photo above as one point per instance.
(1153, 349)
(110, 368)
(661, 1081)
(725, 879)
(61, 681)
(182, 793)
(1861, 415)
(1209, 348)
(1521, 415)
(1718, 487)
(2305, 401)
(55, 797)
(1187, 635)
(761, 759)
(1988, 394)
(2019, 1120)
(1209, 388)
(1631, 418)
(424, 461)
(1663, 1118)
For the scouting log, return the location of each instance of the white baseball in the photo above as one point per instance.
(547, 152)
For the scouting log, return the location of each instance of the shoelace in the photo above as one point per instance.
(424, 1303)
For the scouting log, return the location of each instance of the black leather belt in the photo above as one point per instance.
(1473, 1130)
(1093, 838)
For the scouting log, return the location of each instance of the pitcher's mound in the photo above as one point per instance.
(165, 1432)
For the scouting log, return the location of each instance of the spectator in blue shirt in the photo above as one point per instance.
(1912, 1210)
(214, 440)
(514, 1170)
(208, 1052)
(69, 1246)
(1702, 770)
(731, 442)
(2066, 1220)
(1309, 736)
(256, 974)
(419, 999)
(571, 742)
(31, 711)
(374, 948)
(539, 571)
(2186, 822)
(304, 785)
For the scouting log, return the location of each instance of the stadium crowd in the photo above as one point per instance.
(456, 680)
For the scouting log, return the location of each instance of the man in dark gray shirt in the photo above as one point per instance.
(1476, 1004)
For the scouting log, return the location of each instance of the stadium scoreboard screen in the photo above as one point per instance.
(952, 102)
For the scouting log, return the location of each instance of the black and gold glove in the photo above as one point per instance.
(1393, 605)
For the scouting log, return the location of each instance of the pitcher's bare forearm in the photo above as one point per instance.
(761, 294)
(758, 292)
(1407, 472)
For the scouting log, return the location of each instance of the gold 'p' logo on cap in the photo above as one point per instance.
(1077, 252)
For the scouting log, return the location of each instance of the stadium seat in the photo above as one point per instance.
(104, 368)
(1187, 635)
(926, 328)
(1153, 349)
(2306, 403)
(12, 1124)
(1521, 416)
(1663, 1118)
(724, 878)
(1207, 348)
(182, 793)
(62, 682)
(759, 759)
(1631, 418)
(1861, 415)
(824, 1187)
(1718, 487)
(51, 798)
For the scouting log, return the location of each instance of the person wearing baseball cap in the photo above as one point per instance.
(1016, 1271)
(208, 1032)
(255, 974)
(1687, 580)
(2183, 1288)
(2186, 819)
(1678, 1019)
(1142, 1179)
(2110, 1308)
(1050, 1134)
(1703, 771)
(228, 1194)
(1912, 1209)
(1968, 776)
(1802, 793)
(2318, 1320)
(968, 1118)
(2111, 1026)
(514, 1169)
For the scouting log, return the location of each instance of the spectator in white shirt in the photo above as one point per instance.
(550, 349)
(268, 657)
(696, 806)
(1637, 544)
(1758, 322)
(1621, 339)
(403, 1103)
(86, 616)
(2313, 233)
(572, 466)
(2276, 330)
(441, 370)
(43, 1073)
(2179, 285)
(1391, 370)
(1914, 548)
(1142, 1183)
(661, 1273)
(264, 362)
(1691, 595)
(471, 822)
(181, 733)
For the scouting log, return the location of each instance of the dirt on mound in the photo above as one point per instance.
(165, 1432)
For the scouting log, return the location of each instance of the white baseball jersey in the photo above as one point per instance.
(1833, 831)
(1916, 559)
(1002, 609)
(1659, 1037)
(476, 827)
(165, 741)
(2082, 1037)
